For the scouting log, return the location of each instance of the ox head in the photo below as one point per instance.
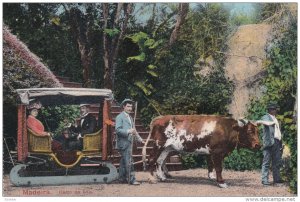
(248, 134)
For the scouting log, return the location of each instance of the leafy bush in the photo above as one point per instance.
(289, 129)
(238, 19)
(193, 161)
(243, 159)
(188, 161)
(163, 80)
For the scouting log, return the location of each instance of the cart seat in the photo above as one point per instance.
(92, 142)
(37, 143)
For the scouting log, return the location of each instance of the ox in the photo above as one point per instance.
(214, 136)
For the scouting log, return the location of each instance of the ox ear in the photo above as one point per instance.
(235, 126)
(238, 124)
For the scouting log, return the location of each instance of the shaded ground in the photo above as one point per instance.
(184, 183)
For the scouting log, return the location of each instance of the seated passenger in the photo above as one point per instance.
(33, 123)
(64, 149)
(88, 123)
(68, 141)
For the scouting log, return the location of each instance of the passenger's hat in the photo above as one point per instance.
(272, 105)
(84, 104)
(125, 101)
(34, 105)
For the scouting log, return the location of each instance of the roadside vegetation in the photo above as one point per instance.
(166, 56)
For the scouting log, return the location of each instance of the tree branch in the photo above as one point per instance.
(182, 13)
(105, 8)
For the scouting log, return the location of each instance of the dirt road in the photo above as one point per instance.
(184, 183)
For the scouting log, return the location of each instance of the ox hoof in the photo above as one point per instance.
(211, 176)
(161, 179)
(152, 181)
(224, 185)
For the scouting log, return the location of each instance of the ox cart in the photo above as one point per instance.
(37, 163)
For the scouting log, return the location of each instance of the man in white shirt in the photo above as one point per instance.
(272, 145)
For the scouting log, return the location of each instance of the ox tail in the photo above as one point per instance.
(144, 151)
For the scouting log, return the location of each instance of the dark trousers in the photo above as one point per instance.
(272, 154)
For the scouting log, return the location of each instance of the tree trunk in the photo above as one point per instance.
(111, 46)
(107, 73)
(295, 110)
(81, 30)
(153, 17)
(182, 12)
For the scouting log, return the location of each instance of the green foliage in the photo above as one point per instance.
(290, 137)
(188, 161)
(207, 29)
(243, 159)
(138, 72)
(140, 57)
(144, 87)
(281, 87)
(55, 118)
(144, 42)
(267, 10)
(192, 161)
(144, 56)
(50, 36)
(111, 32)
(238, 19)
(182, 91)
(163, 80)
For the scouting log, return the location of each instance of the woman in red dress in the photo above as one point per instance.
(33, 123)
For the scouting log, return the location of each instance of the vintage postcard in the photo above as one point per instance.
(149, 99)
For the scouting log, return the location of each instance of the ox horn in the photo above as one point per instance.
(253, 122)
(242, 122)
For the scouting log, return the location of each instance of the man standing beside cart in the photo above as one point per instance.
(126, 134)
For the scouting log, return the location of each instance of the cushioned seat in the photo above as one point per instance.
(37, 143)
(92, 142)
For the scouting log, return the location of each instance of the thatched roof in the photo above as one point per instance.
(23, 53)
(22, 68)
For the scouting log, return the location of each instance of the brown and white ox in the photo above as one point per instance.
(214, 136)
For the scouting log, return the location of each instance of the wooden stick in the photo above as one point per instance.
(133, 125)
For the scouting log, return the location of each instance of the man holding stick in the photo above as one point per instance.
(126, 134)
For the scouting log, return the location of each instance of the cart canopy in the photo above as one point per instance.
(63, 96)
